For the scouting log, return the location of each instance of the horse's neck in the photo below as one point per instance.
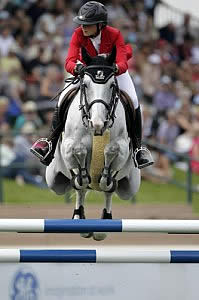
(74, 114)
(74, 118)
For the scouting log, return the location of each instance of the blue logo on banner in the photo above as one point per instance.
(25, 286)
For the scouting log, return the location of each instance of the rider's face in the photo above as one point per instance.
(89, 29)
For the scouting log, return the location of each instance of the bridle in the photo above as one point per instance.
(85, 107)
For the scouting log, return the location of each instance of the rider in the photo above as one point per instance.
(98, 38)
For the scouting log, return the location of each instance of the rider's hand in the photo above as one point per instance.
(79, 69)
(115, 68)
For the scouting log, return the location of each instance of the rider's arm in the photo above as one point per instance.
(73, 54)
(121, 57)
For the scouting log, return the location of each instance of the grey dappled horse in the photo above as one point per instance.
(95, 113)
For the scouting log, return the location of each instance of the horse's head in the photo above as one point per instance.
(99, 92)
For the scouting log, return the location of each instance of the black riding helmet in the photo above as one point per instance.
(91, 13)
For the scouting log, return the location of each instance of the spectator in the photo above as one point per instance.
(6, 40)
(184, 29)
(65, 24)
(37, 9)
(116, 9)
(39, 60)
(194, 151)
(4, 125)
(147, 114)
(11, 66)
(50, 85)
(165, 98)
(13, 167)
(184, 116)
(184, 49)
(150, 6)
(29, 116)
(33, 81)
(166, 135)
(168, 130)
(4, 17)
(47, 117)
(22, 144)
(168, 33)
(7, 151)
(150, 74)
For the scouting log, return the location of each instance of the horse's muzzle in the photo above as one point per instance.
(98, 128)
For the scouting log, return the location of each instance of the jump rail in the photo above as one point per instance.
(96, 225)
(98, 256)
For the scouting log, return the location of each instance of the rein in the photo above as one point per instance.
(71, 80)
(111, 107)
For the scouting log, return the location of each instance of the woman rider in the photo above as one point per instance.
(98, 38)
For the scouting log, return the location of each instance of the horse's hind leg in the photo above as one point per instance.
(128, 186)
(79, 210)
(106, 214)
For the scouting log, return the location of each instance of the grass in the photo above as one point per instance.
(148, 193)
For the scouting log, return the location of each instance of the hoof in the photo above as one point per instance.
(78, 213)
(99, 236)
(86, 235)
(106, 215)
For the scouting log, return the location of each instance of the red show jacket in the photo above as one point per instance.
(109, 37)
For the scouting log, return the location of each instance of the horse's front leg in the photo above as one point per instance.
(106, 214)
(81, 178)
(79, 210)
(107, 181)
(79, 205)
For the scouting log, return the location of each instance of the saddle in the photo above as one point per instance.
(65, 105)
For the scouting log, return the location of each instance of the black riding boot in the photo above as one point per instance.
(44, 148)
(142, 155)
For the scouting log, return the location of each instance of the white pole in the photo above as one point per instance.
(170, 226)
(21, 225)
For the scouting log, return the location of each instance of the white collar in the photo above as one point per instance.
(98, 37)
(96, 41)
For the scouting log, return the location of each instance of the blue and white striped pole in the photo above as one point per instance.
(98, 256)
(97, 225)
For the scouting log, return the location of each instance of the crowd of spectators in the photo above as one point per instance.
(34, 39)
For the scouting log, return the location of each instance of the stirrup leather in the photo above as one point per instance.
(148, 155)
(49, 144)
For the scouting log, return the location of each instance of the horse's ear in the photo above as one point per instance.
(86, 57)
(111, 58)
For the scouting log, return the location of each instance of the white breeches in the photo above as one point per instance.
(125, 83)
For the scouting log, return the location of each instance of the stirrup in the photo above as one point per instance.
(148, 154)
(49, 144)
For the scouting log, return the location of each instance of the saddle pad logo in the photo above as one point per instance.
(24, 286)
(100, 75)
